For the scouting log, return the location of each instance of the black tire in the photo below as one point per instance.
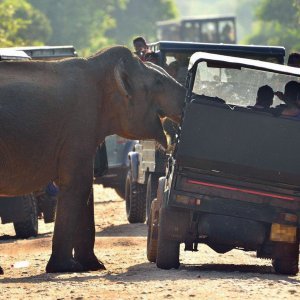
(135, 198)
(28, 227)
(286, 266)
(152, 235)
(151, 191)
(167, 250)
(120, 190)
(287, 262)
(49, 208)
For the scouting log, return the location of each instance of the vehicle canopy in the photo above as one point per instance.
(12, 54)
(205, 29)
(221, 134)
(47, 52)
(167, 49)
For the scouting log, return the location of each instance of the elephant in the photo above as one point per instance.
(54, 114)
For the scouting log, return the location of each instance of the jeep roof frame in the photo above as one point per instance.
(13, 54)
(44, 52)
(242, 62)
(231, 49)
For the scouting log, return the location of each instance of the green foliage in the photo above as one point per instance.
(139, 18)
(21, 24)
(277, 24)
(80, 23)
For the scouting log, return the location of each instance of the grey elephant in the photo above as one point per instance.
(52, 117)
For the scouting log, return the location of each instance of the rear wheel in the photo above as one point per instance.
(167, 250)
(286, 266)
(135, 199)
(288, 259)
(28, 227)
(152, 184)
(152, 233)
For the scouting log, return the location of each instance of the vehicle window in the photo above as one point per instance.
(209, 32)
(237, 86)
(226, 32)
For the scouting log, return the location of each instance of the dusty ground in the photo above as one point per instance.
(122, 247)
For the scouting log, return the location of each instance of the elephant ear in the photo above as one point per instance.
(122, 79)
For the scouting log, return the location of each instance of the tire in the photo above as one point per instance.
(151, 191)
(152, 233)
(120, 190)
(288, 263)
(28, 227)
(135, 198)
(286, 266)
(49, 209)
(167, 250)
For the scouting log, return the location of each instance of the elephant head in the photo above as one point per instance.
(149, 94)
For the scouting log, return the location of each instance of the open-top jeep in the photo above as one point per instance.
(233, 179)
(148, 160)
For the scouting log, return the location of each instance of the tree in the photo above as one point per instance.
(139, 18)
(21, 24)
(81, 23)
(277, 24)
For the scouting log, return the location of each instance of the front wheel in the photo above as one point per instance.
(28, 227)
(135, 199)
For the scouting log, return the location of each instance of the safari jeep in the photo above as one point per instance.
(233, 179)
(148, 160)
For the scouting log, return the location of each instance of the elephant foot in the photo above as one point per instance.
(69, 265)
(1, 271)
(90, 262)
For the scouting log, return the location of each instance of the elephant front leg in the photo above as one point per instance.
(1, 271)
(84, 239)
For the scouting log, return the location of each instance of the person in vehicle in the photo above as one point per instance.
(141, 47)
(152, 57)
(179, 67)
(291, 97)
(264, 98)
(226, 35)
(294, 60)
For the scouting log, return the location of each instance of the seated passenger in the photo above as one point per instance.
(264, 98)
(152, 57)
(291, 97)
(179, 68)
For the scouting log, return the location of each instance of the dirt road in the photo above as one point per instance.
(122, 248)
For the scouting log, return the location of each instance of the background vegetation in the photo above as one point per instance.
(92, 24)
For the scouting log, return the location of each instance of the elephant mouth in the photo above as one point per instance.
(174, 118)
(161, 113)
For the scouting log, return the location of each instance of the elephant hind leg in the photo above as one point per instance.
(1, 271)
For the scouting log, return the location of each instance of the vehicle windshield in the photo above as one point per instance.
(237, 86)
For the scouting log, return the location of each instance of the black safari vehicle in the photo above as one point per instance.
(148, 161)
(23, 211)
(233, 179)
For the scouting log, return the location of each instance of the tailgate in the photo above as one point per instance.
(240, 143)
